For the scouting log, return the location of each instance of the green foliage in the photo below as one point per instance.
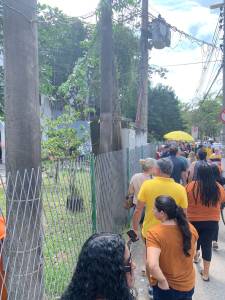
(205, 117)
(126, 60)
(121, 5)
(60, 46)
(60, 138)
(164, 114)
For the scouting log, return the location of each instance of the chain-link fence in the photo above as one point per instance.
(52, 211)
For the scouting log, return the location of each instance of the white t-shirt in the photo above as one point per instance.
(136, 183)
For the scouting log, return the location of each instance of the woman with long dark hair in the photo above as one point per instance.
(221, 180)
(170, 252)
(205, 196)
(104, 270)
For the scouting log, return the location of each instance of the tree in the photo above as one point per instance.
(60, 137)
(164, 109)
(205, 116)
(60, 46)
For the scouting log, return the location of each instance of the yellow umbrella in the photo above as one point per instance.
(179, 136)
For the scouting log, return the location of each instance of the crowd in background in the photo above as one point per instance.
(175, 204)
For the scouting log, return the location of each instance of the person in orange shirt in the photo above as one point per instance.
(170, 250)
(3, 292)
(205, 196)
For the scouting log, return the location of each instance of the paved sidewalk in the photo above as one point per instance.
(213, 290)
(141, 283)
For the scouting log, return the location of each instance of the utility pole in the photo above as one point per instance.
(23, 253)
(221, 6)
(142, 105)
(106, 106)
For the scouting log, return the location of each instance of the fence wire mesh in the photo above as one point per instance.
(50, 212)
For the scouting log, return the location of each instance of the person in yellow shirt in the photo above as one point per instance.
(162, 184)
(209, 151)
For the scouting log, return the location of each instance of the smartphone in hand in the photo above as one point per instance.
(132, 235)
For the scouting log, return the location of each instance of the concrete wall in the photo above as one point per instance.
(128, 138)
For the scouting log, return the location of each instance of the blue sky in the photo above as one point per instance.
(191, 16)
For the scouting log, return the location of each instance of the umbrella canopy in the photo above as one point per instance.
(179, 136)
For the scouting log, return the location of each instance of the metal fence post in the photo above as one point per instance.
(142, 151)
(128, 167)
(93, 195)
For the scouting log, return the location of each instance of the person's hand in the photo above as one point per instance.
(136, 231)
(163, 285)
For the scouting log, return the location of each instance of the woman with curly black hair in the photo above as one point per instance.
(104, 270)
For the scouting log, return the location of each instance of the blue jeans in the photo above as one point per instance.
(171, 294)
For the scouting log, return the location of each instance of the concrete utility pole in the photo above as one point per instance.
(106, 106)
(23, 254)
(142, 105)
(222, 7)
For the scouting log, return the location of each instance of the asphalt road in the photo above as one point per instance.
(212, 290)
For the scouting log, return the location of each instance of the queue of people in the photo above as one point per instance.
(178, 198)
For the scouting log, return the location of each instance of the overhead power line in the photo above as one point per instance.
(210, 53)
(190, 63)
(219, 93)
(208, 91)
(184, 34)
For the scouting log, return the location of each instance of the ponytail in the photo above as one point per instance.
(168, 205)
(185, 229)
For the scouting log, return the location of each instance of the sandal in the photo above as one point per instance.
(204, 278)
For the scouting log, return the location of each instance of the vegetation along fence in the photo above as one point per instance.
(49, 214)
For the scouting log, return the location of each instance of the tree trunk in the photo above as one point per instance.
(106, 106)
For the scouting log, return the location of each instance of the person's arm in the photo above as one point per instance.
(191, 172)
(184, 200)
(184, 177)
(222, 194)
(154, 268)
(131, 188)
(137, 215)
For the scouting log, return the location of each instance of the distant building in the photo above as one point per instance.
(53, 109)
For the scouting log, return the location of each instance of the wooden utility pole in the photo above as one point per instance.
(106, 105)
(23, 255)
(142, 105)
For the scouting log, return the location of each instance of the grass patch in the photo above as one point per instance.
(64, 232)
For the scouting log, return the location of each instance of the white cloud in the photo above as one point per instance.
(185, 79)
(73, 7)
(188, 16)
